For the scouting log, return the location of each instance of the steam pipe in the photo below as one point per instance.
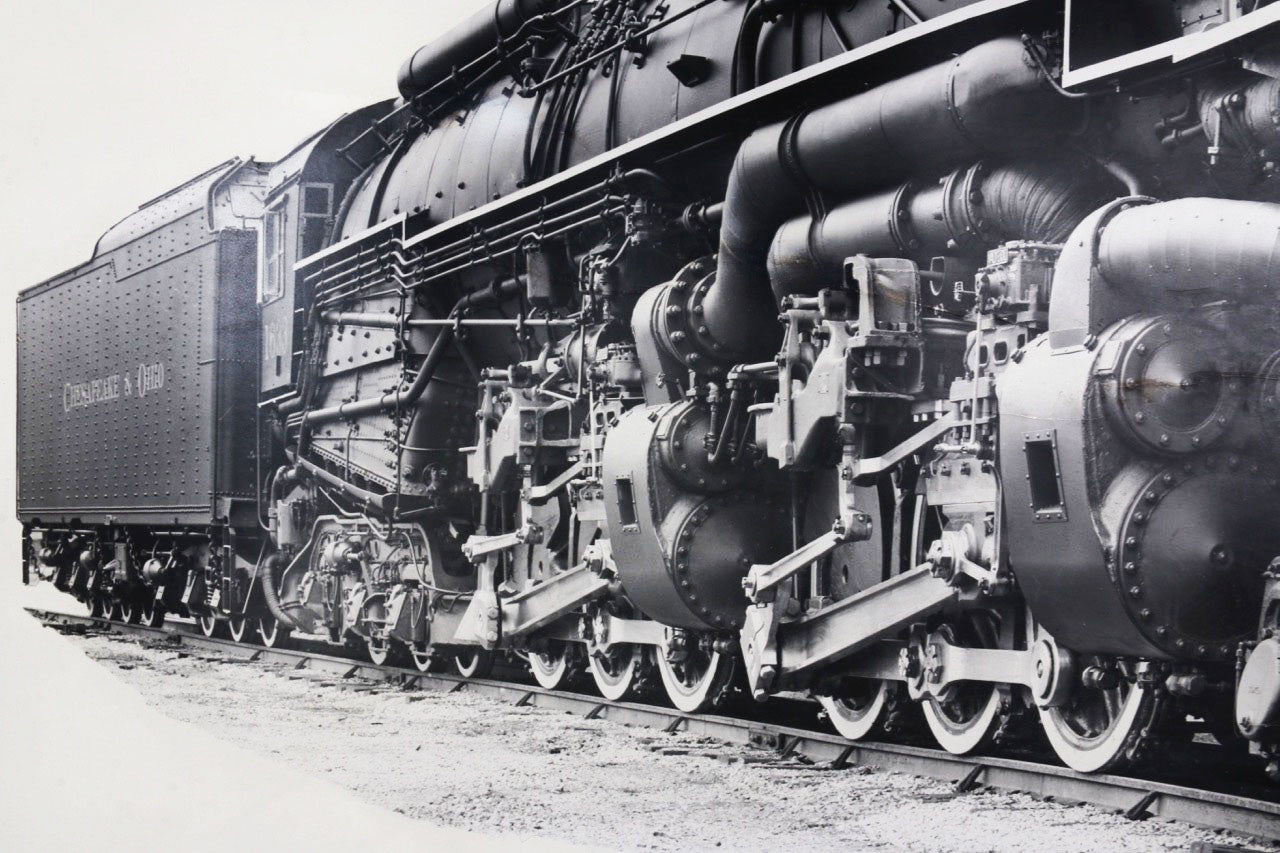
(1245, 104)
(269, 594)
(409, 396)
(746, 52)
(401, 397)
(370, 500)
(468, 41)
(992, 99)
(971, 210)
(1136, 253)
(1194, 244)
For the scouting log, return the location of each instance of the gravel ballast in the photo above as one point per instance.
(475, 763)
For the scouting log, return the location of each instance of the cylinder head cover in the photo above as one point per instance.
(1193, 543)
(1173, 386)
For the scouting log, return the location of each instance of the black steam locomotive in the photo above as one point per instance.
(921, 356)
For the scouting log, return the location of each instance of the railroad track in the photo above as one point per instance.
(1136, 798)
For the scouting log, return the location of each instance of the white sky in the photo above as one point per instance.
(105, 104)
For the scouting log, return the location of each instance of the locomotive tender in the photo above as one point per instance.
(909, 354)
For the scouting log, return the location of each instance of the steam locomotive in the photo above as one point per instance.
(919, 357)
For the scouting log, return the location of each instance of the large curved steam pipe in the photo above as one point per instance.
(992, 99)
(1194, 245)
(270, 567)
(1136, 253)
(971, 210)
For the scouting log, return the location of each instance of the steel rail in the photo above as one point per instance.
(1136, 798)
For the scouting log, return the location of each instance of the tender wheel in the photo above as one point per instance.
(424, 660)
(860, 712)
(551, 669)
(152, 613)
(616, 672)
(130, 611)
(698, 682)
(209, 625)
(1098, 727)
(127, 612)
(473, 663)
(241, 628)
(379, 650)
(272, 634)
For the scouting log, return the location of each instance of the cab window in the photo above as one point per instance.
(273, 255)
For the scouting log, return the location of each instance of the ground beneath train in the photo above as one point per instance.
(474, 763)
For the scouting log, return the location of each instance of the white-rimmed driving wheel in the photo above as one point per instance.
(209, 625)
(273, 635)
(241, 628)
(424, 659)
(965, 715)
(152, 613)
(616, 671)
(473, 663)
(552, 667)
(859, 711)
(1098, 727)
(698, 680)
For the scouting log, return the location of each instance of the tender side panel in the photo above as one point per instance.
(117, 376)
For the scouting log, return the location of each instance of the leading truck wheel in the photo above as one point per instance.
(1100, 727)
(698, 682)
